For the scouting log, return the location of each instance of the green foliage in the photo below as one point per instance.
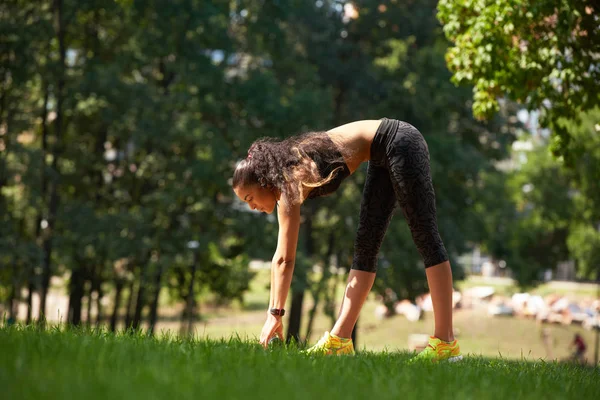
(159, 102)
(584, 239)
(227, 274)
(529, 215)
(541, 213)
(161, 99)
(539, 53)
(584, 243)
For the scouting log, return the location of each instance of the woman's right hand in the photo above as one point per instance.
(272, 327)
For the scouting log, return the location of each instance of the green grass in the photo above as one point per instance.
(95, 365)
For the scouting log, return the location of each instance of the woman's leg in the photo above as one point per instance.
(411, 177)
(376, 210)
(358, 287)
(439, 278)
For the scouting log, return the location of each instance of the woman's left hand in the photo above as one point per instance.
(273, 327)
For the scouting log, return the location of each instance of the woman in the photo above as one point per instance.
(288, 172)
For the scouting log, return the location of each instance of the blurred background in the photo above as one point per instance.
(121, 123)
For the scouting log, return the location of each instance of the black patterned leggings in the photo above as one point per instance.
(398, 171)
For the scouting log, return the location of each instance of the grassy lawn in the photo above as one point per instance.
(75, 365)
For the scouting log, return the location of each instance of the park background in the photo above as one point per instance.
(121, 123)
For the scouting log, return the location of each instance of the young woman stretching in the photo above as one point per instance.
(286, 173)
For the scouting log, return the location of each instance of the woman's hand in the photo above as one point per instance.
(273, 327)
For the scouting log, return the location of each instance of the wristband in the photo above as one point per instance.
(277, 311)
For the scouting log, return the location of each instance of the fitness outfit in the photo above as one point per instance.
(398, 173)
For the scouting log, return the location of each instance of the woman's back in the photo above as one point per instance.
(354, 140)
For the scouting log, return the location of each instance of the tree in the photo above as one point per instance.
(542, 217)
(540, 53)
(24, 96)
(160, 100)
(130, 138)
(584, 237)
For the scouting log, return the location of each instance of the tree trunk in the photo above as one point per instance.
(154, 306)
(128, 314)
(321, 287)
(187, 325)
(30, 289)
(88, 305)
(54, 193)
(97, 276)
(46, 275)
(313, 311)
(338, 104)
(115, 314)
(14, 295)
(90, 279)
(32, 278)
(295, 316)
(12, 304)
(140, 300)
(100, 294)
(295, 320)
(329, 308)
(76, 294)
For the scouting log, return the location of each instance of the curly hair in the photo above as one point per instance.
(286, 165)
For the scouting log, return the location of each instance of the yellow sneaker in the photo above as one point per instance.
(331, 345)
(437, 350)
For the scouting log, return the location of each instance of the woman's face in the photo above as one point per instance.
(258, 198)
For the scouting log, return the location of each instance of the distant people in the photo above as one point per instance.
(580, 348)
(284, 174)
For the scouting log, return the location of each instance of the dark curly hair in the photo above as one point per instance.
(286, 165)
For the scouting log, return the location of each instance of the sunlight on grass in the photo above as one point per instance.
(77, 364)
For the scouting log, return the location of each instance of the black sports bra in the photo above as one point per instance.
(325, 168)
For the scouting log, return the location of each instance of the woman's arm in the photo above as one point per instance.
(282, 265)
